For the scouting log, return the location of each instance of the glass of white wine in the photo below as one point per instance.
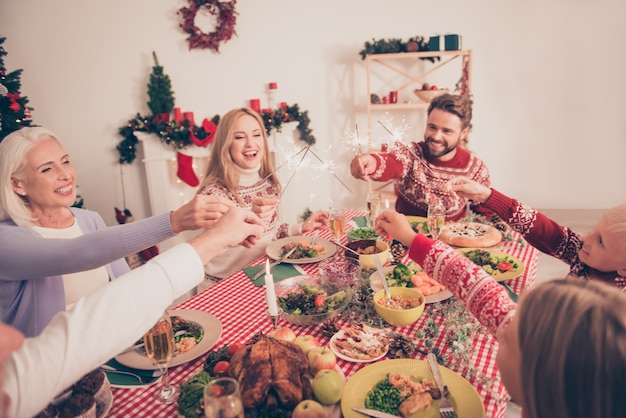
(436, 219)
(159, 345)
(222, 399)
(373, 206)
(338, 223)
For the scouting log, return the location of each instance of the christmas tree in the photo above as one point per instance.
(160, 90)
(14, 114)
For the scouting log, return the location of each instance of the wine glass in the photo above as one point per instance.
(436, 219)
(373, 206)
(159, 345)
(222, 398)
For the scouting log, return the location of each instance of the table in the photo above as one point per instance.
(241, 308)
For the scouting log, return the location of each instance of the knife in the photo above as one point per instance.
(374, 413)
(280, 260)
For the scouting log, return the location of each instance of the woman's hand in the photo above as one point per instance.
(390, 222)
(362, 166)
(200, 212)
(264, 207)
(315, 221)
(470, 189)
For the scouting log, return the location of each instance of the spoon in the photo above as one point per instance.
(381, 273)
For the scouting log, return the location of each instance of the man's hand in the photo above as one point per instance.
(236, 227)
(362, 166)
(200, 212)
(390, 222)
(470, 189)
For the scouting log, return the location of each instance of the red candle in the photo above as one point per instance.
(189, 117)
(273, 86)
(255, 104)
(393, 97)
(283, 105)
(178, 116)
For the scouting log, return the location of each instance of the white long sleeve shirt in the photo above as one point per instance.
(101, 325)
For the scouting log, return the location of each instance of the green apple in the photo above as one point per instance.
(309, 409)
(328, 386)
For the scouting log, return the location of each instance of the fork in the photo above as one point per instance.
(446, 409)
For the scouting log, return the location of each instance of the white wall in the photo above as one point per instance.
(548, 80)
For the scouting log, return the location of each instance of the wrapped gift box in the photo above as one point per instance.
(444, 43)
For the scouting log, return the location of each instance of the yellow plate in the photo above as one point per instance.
(413, 220)
(467, 402)
(514, 273)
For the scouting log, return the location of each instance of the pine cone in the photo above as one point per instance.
(330, 328)
(400, 347)
(397, 251)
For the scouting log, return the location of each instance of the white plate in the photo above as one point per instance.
(342, 356)
(376, 285)
(212, 333)
(274, 248)
(105, 410)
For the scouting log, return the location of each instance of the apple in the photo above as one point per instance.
(283, 333)
(307, 342)
(328, 386)
(309, 409)
(321, 358)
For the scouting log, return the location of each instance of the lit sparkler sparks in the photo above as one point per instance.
(399, 142)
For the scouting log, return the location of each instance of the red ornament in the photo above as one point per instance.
(14, 106)
(225, 26)
(273, 86)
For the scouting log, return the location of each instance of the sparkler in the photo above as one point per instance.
(334, 175)
(417, 157)
(307, 149)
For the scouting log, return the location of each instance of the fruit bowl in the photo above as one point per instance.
(297, 299)
(399, 317)
(428, 95)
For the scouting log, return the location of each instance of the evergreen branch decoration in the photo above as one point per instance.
(396, 45)
(161, 96)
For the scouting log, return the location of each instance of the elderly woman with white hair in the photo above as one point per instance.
(53, 254)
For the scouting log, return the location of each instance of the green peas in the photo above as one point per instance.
(384, 397)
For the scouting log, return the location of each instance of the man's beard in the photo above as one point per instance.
(447, 150)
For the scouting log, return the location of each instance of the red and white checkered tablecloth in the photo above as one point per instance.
(241, 308)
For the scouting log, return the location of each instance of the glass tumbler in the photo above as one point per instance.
(222, 399)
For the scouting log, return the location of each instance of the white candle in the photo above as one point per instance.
(270, 291)
(387, 203)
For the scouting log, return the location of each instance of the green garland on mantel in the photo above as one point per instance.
(177, 135)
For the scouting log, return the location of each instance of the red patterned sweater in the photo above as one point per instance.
(484, 297)
(544, 234)
(417, 184)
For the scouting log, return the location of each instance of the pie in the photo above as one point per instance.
(360, 342)
(470, 234)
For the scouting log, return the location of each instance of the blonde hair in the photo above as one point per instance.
(13, 150)
(572, 336)
(221, 164)
(616, 224)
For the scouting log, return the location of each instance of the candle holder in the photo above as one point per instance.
(274, 318)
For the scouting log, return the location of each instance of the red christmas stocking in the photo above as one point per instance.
(185, 169)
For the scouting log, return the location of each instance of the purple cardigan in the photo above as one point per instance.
(31, 267)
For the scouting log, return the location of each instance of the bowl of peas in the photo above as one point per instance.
(361, 233)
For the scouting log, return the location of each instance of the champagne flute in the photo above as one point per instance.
(159, 345)
(373, 206)
(436, 219)
(222, 399)
(337, 223)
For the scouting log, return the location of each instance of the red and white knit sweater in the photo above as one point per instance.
(417, 184)
(233, 259)
(484, 297)
(544, 234)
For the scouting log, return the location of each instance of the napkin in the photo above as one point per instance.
(360, 221)
(280, 272)
(119, 380)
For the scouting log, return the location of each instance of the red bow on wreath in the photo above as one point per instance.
(14, 106)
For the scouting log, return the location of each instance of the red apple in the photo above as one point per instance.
(283, 333)
(309, 409)
(307, 342)
(321, 358)
(328, 387)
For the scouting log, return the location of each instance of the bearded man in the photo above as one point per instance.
(422, 170)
